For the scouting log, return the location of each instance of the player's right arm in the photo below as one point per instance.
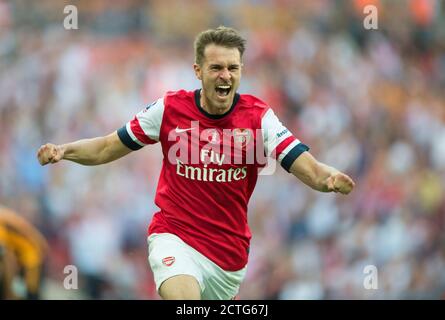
(143, 130)
(88, 152)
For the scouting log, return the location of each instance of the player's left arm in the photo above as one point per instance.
(320, 176)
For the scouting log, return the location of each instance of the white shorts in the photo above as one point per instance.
(169, 256)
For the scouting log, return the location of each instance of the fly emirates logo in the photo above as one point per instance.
(216, 155)
(210, 174)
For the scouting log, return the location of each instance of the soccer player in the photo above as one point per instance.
(23, 251)
(213, 140)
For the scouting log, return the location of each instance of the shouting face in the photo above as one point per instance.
(220, 74)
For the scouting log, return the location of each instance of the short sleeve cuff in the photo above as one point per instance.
(126, 139)
(292, 155)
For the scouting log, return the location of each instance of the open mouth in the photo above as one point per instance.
(223, 90)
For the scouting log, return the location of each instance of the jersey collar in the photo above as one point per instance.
(214, 116)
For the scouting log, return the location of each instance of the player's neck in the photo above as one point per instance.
(211, 109)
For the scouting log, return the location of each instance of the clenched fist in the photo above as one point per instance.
(340, 182)
(50, 153)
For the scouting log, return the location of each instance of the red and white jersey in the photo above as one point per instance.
(210, 168)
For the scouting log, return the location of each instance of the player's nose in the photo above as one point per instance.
(225, 74)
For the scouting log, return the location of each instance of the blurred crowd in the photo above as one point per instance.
(369, 102)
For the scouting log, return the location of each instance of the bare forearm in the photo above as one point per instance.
(317, 177)
(320, 176)
(88, 152)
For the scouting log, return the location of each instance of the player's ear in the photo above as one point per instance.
(198, 71)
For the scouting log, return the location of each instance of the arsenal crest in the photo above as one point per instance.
(242, 137)
(213, 136)
(168, 261)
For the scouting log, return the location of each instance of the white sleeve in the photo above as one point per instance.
(144, 128)
(279, 142)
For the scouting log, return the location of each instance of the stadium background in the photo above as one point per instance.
(369, 102)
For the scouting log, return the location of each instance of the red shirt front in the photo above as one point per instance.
(210, 168)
